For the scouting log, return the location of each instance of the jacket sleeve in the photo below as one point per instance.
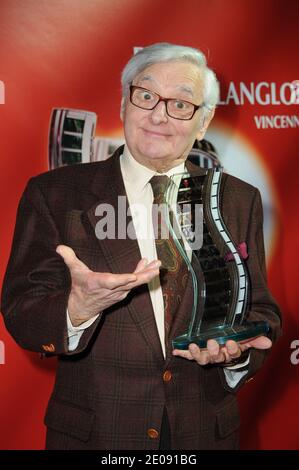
(37, 282)
(262, 304)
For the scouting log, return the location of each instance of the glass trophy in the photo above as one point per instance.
(221, 284)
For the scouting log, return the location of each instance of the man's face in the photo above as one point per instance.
(156, 140)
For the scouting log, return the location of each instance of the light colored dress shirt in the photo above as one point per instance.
(139, 192)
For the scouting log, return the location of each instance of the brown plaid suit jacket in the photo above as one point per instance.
(110, 392)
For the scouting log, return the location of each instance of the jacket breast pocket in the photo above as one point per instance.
(69, 419)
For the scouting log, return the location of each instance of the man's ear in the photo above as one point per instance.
(122, 108)
(205, 124)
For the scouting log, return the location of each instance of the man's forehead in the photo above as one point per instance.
(185, 79)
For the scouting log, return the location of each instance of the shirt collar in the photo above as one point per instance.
(138, 175)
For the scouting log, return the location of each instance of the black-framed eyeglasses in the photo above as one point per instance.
(175, 108)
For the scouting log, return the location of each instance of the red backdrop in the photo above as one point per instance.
(69, 53)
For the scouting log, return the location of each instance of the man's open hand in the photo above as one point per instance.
(214, 354)
(93, 292)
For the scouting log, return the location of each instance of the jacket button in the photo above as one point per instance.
(167, 376)
(152, 433)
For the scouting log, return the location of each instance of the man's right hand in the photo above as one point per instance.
(93, 292)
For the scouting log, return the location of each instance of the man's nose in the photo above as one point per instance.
(159, 114)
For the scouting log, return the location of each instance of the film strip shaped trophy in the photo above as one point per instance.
(219, 275)
(71, 137)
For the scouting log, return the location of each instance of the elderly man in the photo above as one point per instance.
(97, 302)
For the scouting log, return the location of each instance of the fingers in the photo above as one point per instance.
(94, 291)
(141, 265)
(93, 281)
(213, 354)
(70, 258)
(186, 354)
(262, 342)
(111, 281)
(233, 349)
(144, 265)
(150, 271)
(216, 354)
(194, 353)
(143, 274)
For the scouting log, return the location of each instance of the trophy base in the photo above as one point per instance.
(222, 333)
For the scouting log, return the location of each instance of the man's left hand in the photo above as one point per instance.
(216, 354)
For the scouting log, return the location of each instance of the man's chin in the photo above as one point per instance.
(160, 164)
(157, 155)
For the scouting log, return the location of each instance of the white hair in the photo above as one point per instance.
(165, 52)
